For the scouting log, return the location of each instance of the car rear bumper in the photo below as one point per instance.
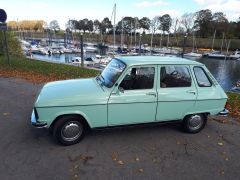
(224, 112)
(35, 123)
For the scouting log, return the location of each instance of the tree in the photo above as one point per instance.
(127, 23)
(96, 25)
(203, 22)
(72, 24)
(155, 24)
(145, 23)
(166, 22)
(90, 26)
(106, 25)
(220, 23)
(53, 25)
(187, 20)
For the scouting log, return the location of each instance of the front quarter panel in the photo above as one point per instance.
(95, 115)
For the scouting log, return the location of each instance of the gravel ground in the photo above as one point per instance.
(144, 152)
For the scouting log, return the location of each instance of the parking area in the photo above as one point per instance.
(143, 152)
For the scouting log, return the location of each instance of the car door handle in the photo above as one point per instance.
(152, 94)
(191, 91)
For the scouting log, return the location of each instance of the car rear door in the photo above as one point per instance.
(176, 92)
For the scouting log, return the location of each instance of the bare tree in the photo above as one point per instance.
(175, 27)
(154, 25)
(187, 20)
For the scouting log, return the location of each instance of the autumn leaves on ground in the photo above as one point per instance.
(42, 72)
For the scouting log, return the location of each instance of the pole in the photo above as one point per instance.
(135, 37)
(160, 45)
(213, 39)
(227, 49)
(151, 43)
(6, 46)
(139, 49)
(184, 44)
(122, 36)
(131, 37)
(82, 64)
(114, 27)
(222, 41)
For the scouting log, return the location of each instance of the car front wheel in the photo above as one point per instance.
(194, 123)
(68, 130)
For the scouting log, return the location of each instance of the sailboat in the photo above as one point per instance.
(193, 53)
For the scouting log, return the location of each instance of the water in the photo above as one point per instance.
(227, 72)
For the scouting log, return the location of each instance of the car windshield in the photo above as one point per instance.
(112, 72)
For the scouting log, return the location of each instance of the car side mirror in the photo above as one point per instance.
(121, 89)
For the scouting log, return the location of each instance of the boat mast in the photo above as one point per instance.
(222, 41)
(122, 35)
(131, 37)
(213, 39)
(114, 24)
(193, 42)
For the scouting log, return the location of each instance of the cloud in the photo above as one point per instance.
(171, 12)
(230, 7)
(207, 2)
(150, 4)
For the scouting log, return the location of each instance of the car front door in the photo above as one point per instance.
(176, 92)
(134, 100)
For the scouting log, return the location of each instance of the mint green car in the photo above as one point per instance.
(129, 91)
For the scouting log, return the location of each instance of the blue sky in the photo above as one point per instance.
(62, 10)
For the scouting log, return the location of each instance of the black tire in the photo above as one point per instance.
(68, 130)
(194, 123)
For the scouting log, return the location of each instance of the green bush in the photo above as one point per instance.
(14, 46)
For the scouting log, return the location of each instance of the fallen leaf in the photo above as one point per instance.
(137, 159)
(120, 162)
(220, 144)
(6, 114)
(178, 142)
(222, 172)
(140, 170)
(114, 156)
(154, 160)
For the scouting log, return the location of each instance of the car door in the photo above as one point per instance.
(176, 92)
(134, 100)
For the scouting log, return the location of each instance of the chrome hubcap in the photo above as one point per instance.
(195, 122)
(71, 131)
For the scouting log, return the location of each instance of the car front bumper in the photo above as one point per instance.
(35, 123)
(224, 112)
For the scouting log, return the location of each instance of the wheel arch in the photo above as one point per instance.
(80, 117)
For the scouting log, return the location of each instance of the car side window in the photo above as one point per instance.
(202, 78)
(175, 76)
(139, 78)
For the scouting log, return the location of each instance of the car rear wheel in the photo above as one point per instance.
(68, 130)
(194, 123)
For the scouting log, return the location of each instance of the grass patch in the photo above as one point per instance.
(40, 71)
(233, 104)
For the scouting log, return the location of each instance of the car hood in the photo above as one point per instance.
(72, 93)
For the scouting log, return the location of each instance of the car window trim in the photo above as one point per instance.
(211, 83)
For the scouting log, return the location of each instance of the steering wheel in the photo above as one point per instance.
(174, 73)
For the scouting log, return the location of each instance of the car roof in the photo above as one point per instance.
(156, 60)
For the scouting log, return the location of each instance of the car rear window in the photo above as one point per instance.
(202, 78)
